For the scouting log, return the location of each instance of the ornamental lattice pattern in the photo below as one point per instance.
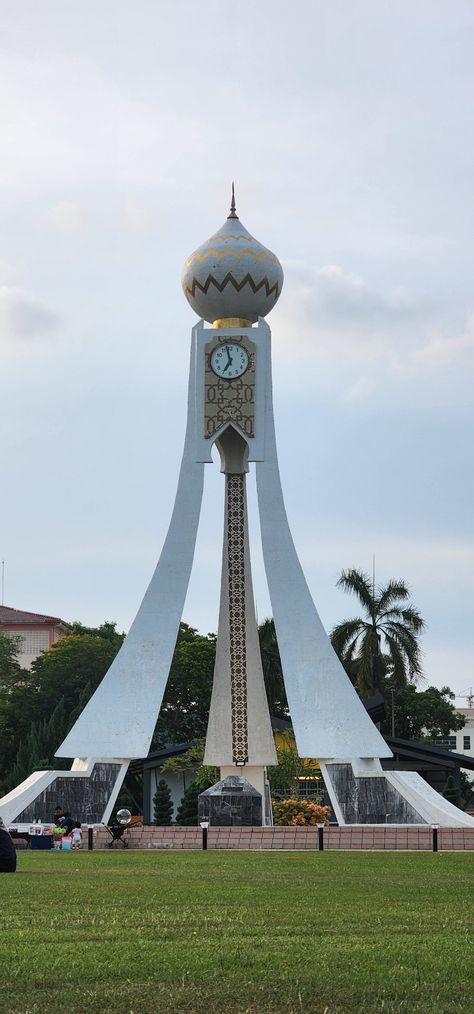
(229, 400)
(238, 649)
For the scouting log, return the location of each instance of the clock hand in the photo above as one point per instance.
(229, 359)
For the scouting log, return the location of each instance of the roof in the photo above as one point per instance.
(170, 750)
(428, 752)
(177, 749)
(11, 617)
(410, 749)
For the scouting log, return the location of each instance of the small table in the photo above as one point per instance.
(15, 833)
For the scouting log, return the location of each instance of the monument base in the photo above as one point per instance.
(88, 792)
(232, 802)
(362, 793)
(256, 774)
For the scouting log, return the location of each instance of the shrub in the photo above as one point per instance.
(162, 805)
(187, 814)
(297, 812)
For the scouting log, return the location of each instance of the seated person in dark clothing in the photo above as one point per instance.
(68, 823)
(7, 853)
(62, 819)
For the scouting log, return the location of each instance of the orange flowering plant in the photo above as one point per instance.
(298, 812)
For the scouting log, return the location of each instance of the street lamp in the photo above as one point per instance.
(434, 832)
(204, 825)
(321, 837)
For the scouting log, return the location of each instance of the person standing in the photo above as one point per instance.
(76, 836)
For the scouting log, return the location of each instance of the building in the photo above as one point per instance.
(37, 632)
(462, 740)
(434, 763)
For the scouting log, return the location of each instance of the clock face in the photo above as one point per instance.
(229, 360)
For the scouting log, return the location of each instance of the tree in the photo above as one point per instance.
(422, 715)
(20, 769)
(185, 708)
(187, 814)
(272, 670)
(36, 750)
(79, 659)
(10, 669)
(451, 792)
(192, 760)
(11, 675)
(70, 671)
(467, 791)
(162, 805)
(284, 776)
(383, 641)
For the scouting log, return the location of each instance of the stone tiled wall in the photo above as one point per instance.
(368, 837)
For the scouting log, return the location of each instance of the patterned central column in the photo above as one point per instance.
(235, 500)
(239, 730)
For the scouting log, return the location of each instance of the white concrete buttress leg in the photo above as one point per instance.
(121, 715)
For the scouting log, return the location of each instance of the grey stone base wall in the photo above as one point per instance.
(369, 800)
(370, 838)
(85, 798)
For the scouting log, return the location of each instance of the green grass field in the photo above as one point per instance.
(238, 932)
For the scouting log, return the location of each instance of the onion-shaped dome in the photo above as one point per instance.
(232, 279)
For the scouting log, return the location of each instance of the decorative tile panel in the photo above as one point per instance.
(229, 400)
(238, 649)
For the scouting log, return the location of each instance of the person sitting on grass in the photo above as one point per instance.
(7, 852)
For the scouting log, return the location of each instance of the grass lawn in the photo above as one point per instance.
(237, 932)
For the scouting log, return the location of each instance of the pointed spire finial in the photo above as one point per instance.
(233, 213)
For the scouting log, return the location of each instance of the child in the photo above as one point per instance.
(76, 836)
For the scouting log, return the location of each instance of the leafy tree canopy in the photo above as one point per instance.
(69, 673)
(192, 760)
(272, 670)
(422, 715)
(9, 665)
(185, 708)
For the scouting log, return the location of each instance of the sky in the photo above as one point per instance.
(348, 129)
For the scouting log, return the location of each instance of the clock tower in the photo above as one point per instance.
(232, 282)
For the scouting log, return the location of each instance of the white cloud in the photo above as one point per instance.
(65, 216)
(22, 318)
(441, 352)
(329, 309)
(344, 295)
(346, 335)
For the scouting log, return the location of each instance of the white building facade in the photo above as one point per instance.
(462, 740)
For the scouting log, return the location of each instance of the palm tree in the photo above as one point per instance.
(384, 641)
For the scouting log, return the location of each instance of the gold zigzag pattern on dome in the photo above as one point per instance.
(238, 286)
(218, 254)
(225, 239)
